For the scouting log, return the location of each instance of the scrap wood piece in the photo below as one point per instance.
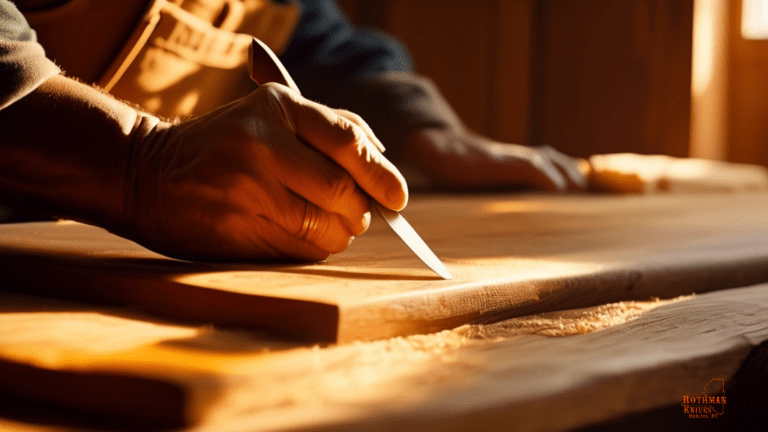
(476, 375)
(512, 255)
(636, 173)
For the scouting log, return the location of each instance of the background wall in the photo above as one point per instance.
(747, 101)
(584, 76)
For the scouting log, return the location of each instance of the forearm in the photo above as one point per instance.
(64, 151)
(396, 105)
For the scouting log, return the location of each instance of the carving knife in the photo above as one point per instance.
(263, 67)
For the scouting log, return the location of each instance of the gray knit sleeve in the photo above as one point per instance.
(23, 65)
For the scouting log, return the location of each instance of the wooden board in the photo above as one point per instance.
(510, 255)
(476, 377)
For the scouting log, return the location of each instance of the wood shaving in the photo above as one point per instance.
(569, 322)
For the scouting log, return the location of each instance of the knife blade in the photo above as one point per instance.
(411, 238)
(263, 67)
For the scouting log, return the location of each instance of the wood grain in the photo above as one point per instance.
(748, 90)
(511, 71)
(453, 45)
(585, 77)
(613, 76)
(479, 56)
(479, 377)
(510, 255)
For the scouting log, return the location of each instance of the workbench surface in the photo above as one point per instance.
(173, 344)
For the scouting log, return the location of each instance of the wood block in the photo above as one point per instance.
(510, 255)
(634, 173)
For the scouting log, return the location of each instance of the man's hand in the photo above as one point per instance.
(455, 159)
(272, 175)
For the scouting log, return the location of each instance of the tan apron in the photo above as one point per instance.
(182, 58)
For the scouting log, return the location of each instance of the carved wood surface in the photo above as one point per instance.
(510, 255)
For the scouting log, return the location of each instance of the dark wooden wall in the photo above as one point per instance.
(584, 76)
(613, 76)
(747, 95)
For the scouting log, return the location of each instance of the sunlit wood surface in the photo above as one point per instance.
(171, 344)
(510, 255)
(81, 363)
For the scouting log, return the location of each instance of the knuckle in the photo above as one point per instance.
(329, 235)
(354, 118)
(536, 160)
(351, 135)
(318, 227)
(365, 222)
(343, 191)
(544, 148)
(271, 91)
(351, 204)
(341, 244)
(275, 88)
(280, 101)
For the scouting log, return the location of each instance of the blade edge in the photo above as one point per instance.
(411, 238)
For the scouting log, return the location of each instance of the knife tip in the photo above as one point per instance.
(443, 273)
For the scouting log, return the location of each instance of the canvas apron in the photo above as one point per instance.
(184, 57)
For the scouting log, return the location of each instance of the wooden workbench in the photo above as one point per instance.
(510, 255)
(151, 356)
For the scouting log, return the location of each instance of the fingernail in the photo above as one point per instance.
(397, 196)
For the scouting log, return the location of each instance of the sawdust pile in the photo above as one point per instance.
(310, 382)
(553, 324)
(569, 322)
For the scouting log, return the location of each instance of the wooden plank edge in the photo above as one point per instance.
(417, 314)
(115, 401)
(163, 297)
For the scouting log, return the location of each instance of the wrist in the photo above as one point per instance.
(135, 186)
(65, 149)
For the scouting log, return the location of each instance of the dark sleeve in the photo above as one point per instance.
(364, 71)
(23, 65)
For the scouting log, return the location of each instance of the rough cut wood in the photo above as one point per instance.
(635, 173)
(510, 255)
(475, 377)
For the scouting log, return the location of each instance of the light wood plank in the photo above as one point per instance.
(510, 255)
